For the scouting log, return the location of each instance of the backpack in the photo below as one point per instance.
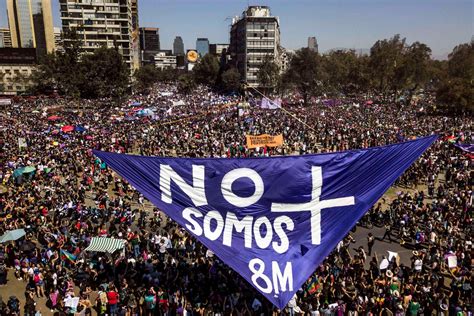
(36, 278)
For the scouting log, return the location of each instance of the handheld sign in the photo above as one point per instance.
(273, 220)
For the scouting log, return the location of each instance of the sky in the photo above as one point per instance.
(441, 24)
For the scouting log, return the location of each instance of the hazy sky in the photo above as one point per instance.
(442, 24)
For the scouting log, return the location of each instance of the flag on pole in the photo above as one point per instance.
(68, 255)
(314, 286)
(266, 103)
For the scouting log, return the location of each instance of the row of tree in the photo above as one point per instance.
(393, 67)
(71, 73)
(207, 71)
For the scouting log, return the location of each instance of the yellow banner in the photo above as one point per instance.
(264, 140)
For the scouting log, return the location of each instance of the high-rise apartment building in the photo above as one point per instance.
(253, 36)
(149, 38)
(31, 24)
(202, 46)
(101, 23)
(58, 39)
(178, 46)
(5, 37)
(16, 64)
(149, 43)
(135, 35)
(313, 44)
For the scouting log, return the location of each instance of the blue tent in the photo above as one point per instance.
(136, 103)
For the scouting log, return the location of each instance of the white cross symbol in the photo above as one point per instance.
(315, 205)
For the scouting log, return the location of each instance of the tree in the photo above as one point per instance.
(347, 72)
(456, 90)
(438, 70)
(456, 94)
(386, 58)
(231, 80)
(59, 71)
(416, 66)
(145, 77)
(206, 70)
(306, 73)
(268, 73)
(167, 75)
(186, 83)
(461, 61)
(68, 79)
(105, 74)
(46, 77)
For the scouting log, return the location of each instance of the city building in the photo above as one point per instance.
(162, 61)
(5, 37)
(58, 40)
(149, 44)
(285, 57)
(253, 36)
(16, 65)
(313, 44)
(180, 62)
(168, 52)
(102, 23)
(178, 46)
(202, 46)
(135, 52)
(217, 49)
(31, 25)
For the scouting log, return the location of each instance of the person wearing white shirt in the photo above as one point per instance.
(418, 265)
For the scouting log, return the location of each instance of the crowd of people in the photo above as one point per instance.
(70, 197)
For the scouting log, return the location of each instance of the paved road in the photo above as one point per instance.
(380, 248)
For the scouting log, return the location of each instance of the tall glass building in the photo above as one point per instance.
(202, 46)
(178, 46)
(31, 24)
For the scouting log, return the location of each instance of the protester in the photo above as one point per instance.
(70, 197)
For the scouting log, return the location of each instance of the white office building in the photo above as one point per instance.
(162, 61)
(103, 23)
(253, 36)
